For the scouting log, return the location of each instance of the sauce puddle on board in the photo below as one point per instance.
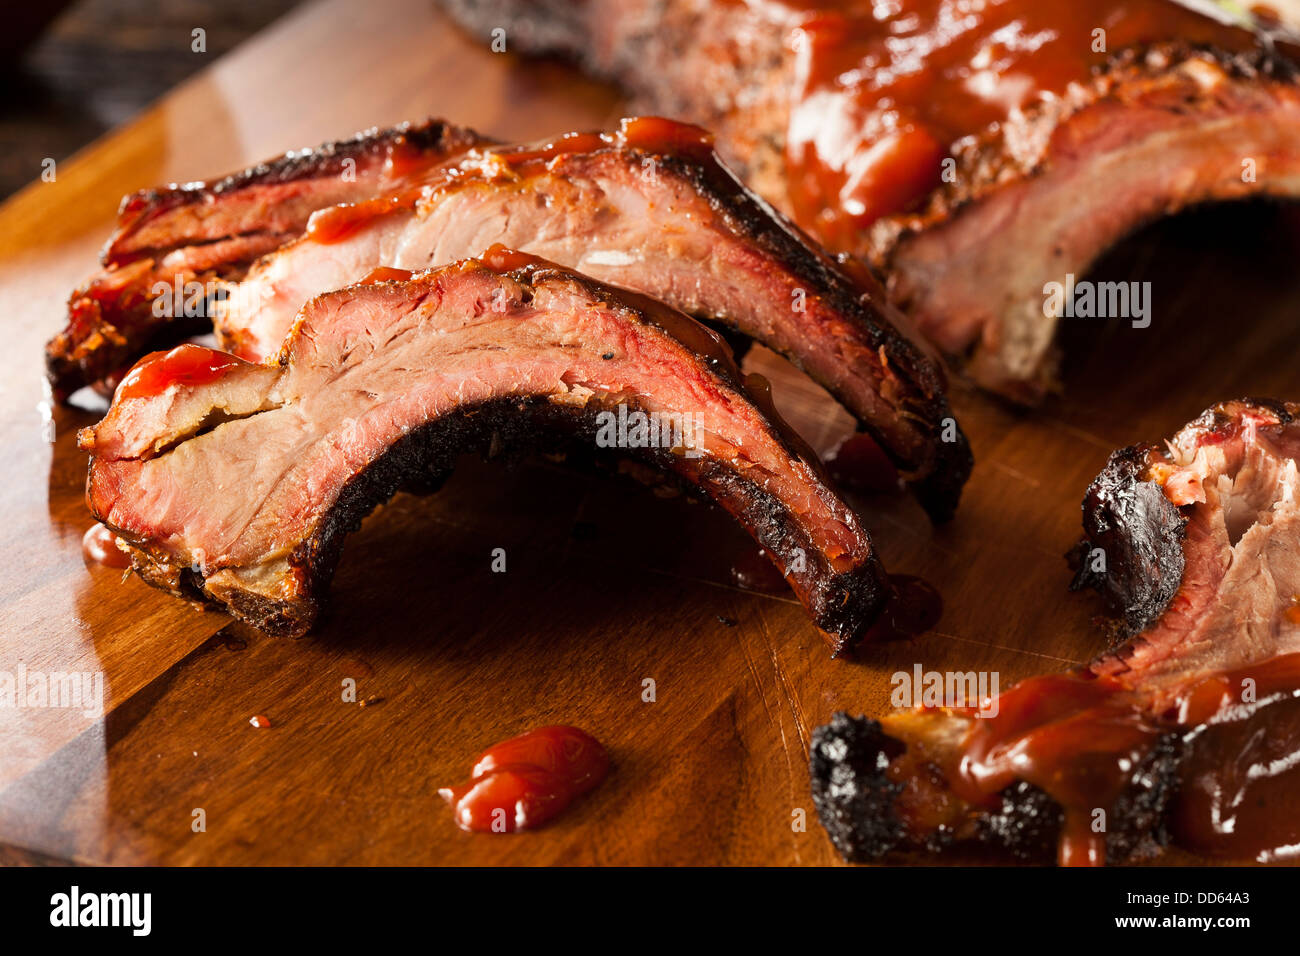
(914, 607)
(860, 464)
(754, 571)
(521, 783)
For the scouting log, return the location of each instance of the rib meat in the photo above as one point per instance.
(236, 482)
(1196, 547)
(198, 232)
(1186, 111)
(648, 208)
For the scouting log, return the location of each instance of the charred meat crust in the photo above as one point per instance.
(939, 482)
(1191, 624)
(851, 791)
(73, 360)
(1226, 414)
(844, 606)
(855, 801)
(1139, 530)
(1139, 533)
(324, 160)
(812, 536)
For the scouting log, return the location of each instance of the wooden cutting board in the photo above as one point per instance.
(607, 586)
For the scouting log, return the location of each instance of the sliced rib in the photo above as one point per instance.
(236, 482)
(1177, 110)
(1162, 130)
(648, 208)
(1196, 546)
(197, 232)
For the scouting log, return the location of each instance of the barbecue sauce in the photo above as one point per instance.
(913, 608)
(186, 365)
(1239, 792)
(385, 274)
(521, 783)
(886, 90)
(649, 134)
(754, 571)
(99, 544)
(1076, 736)
(1072, 735)
(860, 464)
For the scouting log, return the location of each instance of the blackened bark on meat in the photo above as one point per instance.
(538, 27)
(925, 400)
(844, 607)
(275, 574)
(433, 137)
(1136, 826)
(1199, 538)
(1027, 823)
(855, 801)
(853, 795)
(1140, 534)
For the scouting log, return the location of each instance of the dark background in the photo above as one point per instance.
(98, 64)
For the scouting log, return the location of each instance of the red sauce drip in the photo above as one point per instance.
(385, 274)
(99, 545)
(499, 258)
(1075, 735)
(1071, 735)
(185, 365)
(754, 571)
(328, 226)
(650, 134)
(760, 393)
(260, 721)
(914, 607)
(887, 90)
(1293, 612)
(860, 464)
(521, 783)
(405, 161)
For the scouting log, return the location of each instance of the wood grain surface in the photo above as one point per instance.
(99, 63)
(606, 585)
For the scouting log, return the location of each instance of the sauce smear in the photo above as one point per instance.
(521, 783)
(1239, 792)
